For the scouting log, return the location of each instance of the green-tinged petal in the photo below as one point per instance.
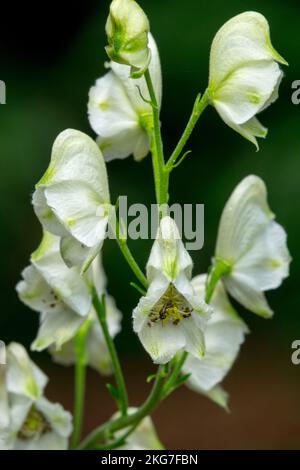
(59, 420)
(127, 30)
(246, 91)
(23, 377)
(244, 38)
(72, 198)
(75, 253)
(224, 334)
(68, 289)
(249, 130)
(86, 221)
(253, 245)
(56, 328)
(137, 90)
(168, 255)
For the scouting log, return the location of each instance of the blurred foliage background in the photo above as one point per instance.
(50, 56)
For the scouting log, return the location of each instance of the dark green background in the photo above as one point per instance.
(51, 57)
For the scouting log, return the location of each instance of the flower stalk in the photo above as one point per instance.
(122, 392)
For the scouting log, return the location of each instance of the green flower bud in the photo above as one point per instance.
(127, 29)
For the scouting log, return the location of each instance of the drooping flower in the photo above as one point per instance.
(170, 317)
(28, 421)
(119, 115)
(64, 300)
(143, 438)
(244, 73)
(224, 334)
(97, 354)
(72, 198)
(127, 29)
(251, 247)
(58, 293)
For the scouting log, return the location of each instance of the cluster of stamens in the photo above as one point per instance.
(172, 307)
(34, 424)
(53, 301)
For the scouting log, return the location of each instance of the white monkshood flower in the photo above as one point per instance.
(127, 30)
(171, 317)
(117, 112)
(72, 198)
(143, 438)
(251, 247)
(244, 74)
(58, 293)
(98, 356)
(28, 421)
(224, 334)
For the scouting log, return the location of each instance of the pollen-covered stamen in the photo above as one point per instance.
(171, 307)
(34, 424)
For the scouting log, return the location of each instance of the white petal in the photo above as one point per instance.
(168, 255)
(252, 299)
(4, 407)
(114, 118)
(162, 342)
(125, 143)
(246, 91)
(194, 337)
(86, 221)
(224, 334)
(57, 328)
(23, 377)
(69, 289)
(249, 130)
(46, 215)
(76, 157)
(59, 419)
(19, 409)
(110, 109)
(75, 253)
(253, 245)
(245, 215)
(243, 39)
(266, 263)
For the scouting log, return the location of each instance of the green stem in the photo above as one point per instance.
(129, 257)
(107, 429)
(161, 176)
(219, 269)
(171, 382)
(199, 107)
(80, 376)
(101, 312)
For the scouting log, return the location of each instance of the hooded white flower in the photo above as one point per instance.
(97, 354)
(244, 74)
(143, 438)
(224, 334)
(170, 317)
(64, 300)
(72, 198)
(251, 246)
(58, 293)
(28, 421)
(127, 30)
(118, 114)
